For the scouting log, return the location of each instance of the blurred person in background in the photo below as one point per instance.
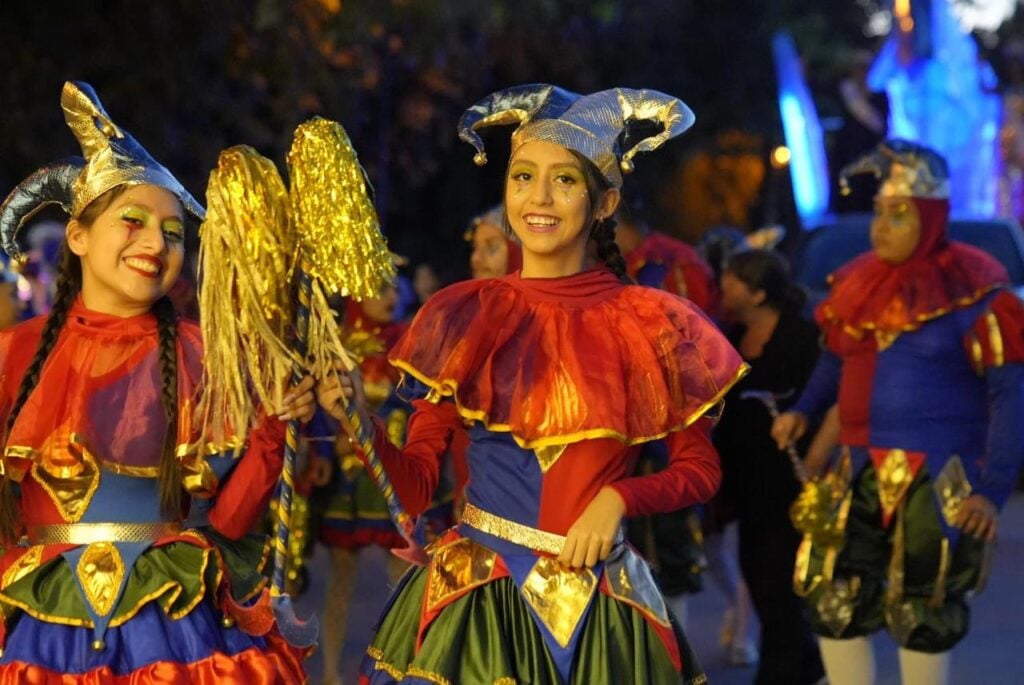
(495, 251)
(761, 304)
(12, 307)
(671, 542)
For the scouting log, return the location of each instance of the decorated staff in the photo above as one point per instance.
(324, 233)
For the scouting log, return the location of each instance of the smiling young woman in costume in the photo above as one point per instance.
(101, 579)
(562, 373)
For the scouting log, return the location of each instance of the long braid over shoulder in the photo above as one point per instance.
(170, 466)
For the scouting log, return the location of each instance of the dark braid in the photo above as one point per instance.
(170, 467)
(608, 252)
(68, 283)
(603, 231)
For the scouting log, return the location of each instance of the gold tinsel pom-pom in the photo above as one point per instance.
(342, 246)
(247, 262)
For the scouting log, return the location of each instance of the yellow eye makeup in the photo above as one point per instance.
(173, 228)
(134, 214)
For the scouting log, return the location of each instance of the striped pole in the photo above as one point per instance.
(296, 632)
(363, 439)
(291, 443)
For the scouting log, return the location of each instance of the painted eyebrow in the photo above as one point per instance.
(143, 205)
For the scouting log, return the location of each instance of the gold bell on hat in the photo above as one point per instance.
(98, 645)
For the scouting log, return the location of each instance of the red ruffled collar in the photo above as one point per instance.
(558, 360)
(870, 295)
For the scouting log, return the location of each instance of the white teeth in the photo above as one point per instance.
(142, 265)
(542, 221)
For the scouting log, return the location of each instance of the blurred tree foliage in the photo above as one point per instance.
(191, 77)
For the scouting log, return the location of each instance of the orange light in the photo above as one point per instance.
(780, 156)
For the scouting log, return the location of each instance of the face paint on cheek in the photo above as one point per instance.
(568, 194)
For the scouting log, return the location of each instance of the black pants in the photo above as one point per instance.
(768, 544)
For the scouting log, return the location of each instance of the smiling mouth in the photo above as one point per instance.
(149, 268)
(541, 224)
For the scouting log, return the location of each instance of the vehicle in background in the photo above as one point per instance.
(825, 249)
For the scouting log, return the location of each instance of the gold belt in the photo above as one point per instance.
(516, 533)
(88, 533)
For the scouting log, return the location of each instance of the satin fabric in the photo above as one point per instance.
(915, 620)
(869, 294)
(555, 361)
(497, 638)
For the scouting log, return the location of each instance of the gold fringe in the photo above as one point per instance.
(247, 260)
(342, 246)
(335, 221)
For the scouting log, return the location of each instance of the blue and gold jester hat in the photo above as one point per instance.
(592, 125)
(110, 157)
(903, 169)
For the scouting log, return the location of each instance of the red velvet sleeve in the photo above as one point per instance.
(245, 496)
(692, 475)
(414, 469)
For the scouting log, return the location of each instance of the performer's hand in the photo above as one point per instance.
(788, 428)
(337, 390)
(299, 403)
(591, 538)
(978, 517)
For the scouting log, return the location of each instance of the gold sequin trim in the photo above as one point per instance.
(449, 388)
(977, 355)
(510, 531)
(133, 471)
(89, 533)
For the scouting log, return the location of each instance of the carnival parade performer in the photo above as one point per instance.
(110, 582)
(925, 352)
(564, 373)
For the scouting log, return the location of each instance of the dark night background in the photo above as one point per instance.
(190, 78)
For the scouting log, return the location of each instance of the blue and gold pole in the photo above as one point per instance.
(363, 438)
(298, 633)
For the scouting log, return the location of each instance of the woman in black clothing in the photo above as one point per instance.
(760, 298)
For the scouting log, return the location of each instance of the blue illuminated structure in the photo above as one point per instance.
(808, 167)
(942, 96)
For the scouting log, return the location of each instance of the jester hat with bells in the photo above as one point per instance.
(112, 157)
(592, 125)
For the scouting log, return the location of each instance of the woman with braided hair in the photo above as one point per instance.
(561, 373)
(103, 580)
